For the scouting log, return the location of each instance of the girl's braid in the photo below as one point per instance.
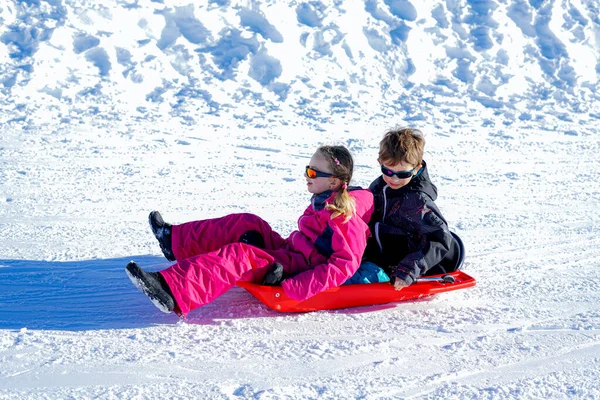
(339, 169)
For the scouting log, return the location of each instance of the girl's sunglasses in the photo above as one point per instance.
(313, 173)
(400, 174)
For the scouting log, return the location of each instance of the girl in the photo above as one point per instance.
(212, 255)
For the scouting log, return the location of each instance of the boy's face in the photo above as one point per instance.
(393, 181)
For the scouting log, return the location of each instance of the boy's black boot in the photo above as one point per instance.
(162, 232)
(153, 285)
(275, 275)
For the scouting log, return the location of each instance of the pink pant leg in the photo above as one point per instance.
(199, 280)
(200, 237)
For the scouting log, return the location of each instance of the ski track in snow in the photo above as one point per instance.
(74, 326)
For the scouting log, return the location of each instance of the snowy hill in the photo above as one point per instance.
(287, 61)
(111, 109)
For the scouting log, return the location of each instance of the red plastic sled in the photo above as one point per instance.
(354, 295)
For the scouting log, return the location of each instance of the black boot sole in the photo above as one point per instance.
(140, 278)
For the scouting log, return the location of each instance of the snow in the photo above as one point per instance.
(109, 111)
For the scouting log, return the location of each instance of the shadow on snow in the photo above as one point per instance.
(97, 294)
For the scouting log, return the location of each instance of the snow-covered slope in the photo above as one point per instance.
(111, 109)
(288, 61)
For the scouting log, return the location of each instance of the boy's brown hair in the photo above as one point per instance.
(402, 145)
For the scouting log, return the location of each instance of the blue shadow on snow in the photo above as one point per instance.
(97, 294)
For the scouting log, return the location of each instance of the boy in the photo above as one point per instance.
(410, 237)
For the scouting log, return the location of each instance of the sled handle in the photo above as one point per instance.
(443, 279)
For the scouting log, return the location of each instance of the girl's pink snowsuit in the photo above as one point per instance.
(321, 254)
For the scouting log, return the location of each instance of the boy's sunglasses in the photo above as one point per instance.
(313, 173)
(400, 174)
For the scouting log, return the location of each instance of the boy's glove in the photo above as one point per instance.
(398, 283)
(398, 278)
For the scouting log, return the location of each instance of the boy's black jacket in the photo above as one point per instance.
(409, 233)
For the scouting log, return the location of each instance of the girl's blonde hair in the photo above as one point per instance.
(342, 165)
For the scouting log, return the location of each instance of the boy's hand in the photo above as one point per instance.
(398, 283)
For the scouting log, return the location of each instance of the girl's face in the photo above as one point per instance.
(321, 184)
(393, 181)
